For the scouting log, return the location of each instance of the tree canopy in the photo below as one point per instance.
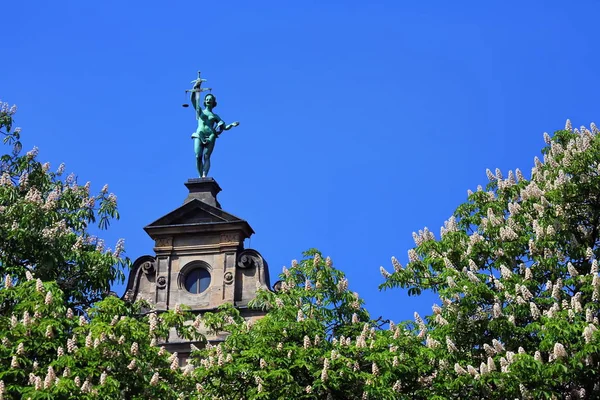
(45, 220)
(516, 268)
(62, 335)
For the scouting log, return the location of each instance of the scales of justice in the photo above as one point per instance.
(210, 125)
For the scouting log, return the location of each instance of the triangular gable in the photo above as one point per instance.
(195, 212)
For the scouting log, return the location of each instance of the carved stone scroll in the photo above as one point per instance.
(249, 259)
(148, 268)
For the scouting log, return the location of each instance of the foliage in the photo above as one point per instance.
(317, 341)
(517, 270)
(48, 352)
(45, 220)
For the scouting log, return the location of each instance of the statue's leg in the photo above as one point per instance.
(198, 151)
(208, 149)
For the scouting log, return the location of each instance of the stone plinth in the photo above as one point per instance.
(203, 189)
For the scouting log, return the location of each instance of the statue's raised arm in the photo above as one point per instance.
(195, 94)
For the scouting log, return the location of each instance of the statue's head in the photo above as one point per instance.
(210, 100)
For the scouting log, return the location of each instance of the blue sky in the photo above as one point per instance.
(361, 122)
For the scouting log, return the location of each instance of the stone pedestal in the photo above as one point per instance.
(203, 189)
(199, 259)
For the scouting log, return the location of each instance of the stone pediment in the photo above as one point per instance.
(196, 216)
(195, 211)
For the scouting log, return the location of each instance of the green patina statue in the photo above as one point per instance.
(210, 126)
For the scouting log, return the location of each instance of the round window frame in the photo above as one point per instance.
(189, 268)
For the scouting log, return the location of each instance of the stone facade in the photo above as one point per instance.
(199, 261)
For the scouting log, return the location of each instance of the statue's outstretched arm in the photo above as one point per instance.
(222, 126)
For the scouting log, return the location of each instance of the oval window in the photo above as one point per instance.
(197, 280)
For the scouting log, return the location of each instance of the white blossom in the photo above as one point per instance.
(568, 126)
(525, 292)
(459, 370)
(306, 342)
(589, 253)
(384, 273)
(508, 234)
(490, 351)
(557, 289)
(450, 281)
(559, 351)
(396, 264)
(71, 347)
(497, 346)
(588, 332)
(374, 369)
(571, 269)
(132, 364)
(450, 345)
(498, 285)
(472, 371)
(472, 277)
(505, 272)
(496, 310)
(342, 285)
(431, 343)
(103, 377)
(50, 378)
(547, 138)
(491, 366)
(419, 320)
(576, 303)
(412, 255)
(503, 365)
(5, 180)
(26, 318)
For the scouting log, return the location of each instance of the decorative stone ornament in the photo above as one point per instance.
(161, 282)
(148, 268)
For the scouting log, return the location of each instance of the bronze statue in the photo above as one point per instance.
(210, 126)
